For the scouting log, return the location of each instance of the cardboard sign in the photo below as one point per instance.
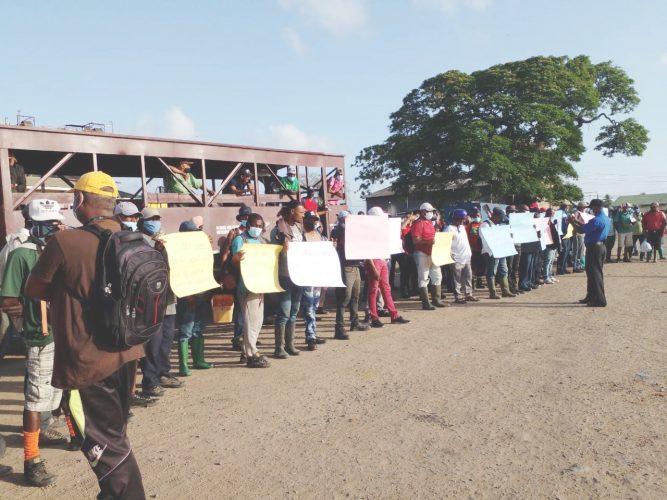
(523, 230)
(499, 240)
(190, 263)
(314, 263)
(395, 242)
(441, 254)
(259, 268)
(367, 237)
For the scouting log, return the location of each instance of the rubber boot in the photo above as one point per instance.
(279, 333)
(436, 293)
(183, 370)
(491, 285)
(289, 339)
(198, 361)
(505, 287)
(423, 295)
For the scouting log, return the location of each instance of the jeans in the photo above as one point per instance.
(149, 364)
(289, 301)
(348, 296)
(495, 266)
(578, 250)
(382, 285)
(525, 270)
(426, 270)
(310, 301)
(191, 313)
(548, 263)
(168, 330)
(513, 268)
(237, 316)
(566, 247)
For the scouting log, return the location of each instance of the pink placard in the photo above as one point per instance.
(542, 225)
(367, 237)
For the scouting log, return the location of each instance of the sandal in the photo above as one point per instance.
(471, 298)
(257, 362)
(460, 300)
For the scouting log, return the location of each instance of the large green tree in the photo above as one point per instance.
(513, 130)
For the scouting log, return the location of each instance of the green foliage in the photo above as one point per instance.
(513, 129)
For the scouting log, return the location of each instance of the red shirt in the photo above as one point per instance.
(653, 221)
(423, 229)
(310, 204)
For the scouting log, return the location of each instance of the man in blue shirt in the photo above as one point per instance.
(595, 233)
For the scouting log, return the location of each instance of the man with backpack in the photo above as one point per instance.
(100, 377)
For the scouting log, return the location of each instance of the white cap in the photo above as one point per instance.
(126, 208)
(41, 210)
(426, 206)
(375, 211)
(291, 170)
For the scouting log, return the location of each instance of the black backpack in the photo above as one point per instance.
(129, 295)
(409, 243)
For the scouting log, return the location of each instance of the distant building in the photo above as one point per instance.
(643, 200)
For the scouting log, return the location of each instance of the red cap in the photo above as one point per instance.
(533, 205)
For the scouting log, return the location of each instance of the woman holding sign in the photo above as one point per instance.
(251, 304)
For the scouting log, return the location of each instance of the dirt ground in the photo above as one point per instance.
(532, 397)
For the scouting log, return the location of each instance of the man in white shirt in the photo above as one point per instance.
(462, 254)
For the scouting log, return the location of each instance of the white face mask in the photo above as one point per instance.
(428, 215)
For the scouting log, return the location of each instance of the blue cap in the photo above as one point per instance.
(187, 225)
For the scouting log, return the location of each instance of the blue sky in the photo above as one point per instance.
(312, 74)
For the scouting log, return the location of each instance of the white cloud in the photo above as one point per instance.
(663, 58)
(294, 41)
(450, 7)
(339, 17)
(288, 136)
(178, 125)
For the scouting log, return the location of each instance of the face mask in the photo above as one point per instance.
(152, 226)
(130, 225)
(43, 231)
(339, 176)
(78, 201)
(255, 232)
(342, 224)
(428, 216)
(309, 225)
(477, 219)
(244, 223)
(318, 226)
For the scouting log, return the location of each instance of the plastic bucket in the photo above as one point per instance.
(222, 305)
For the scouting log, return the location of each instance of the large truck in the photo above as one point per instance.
(53, 159)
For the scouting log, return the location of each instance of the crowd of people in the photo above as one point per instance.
(49, 274)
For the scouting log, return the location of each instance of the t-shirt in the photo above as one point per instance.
(19, 264)
(423, 229)
(653, 221)
(338, 235)
(237, 244)
(68, 264)
(290, 183)
(173, 186)
(596, 229)
(461, 251)
(245, 187)
(310, 204)
(623, 222)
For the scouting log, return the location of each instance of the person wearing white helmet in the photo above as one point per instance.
(43, 221)
(423, 236)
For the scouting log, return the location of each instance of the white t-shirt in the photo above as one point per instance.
(461, 252)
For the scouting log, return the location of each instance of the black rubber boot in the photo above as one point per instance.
(423, 295)
(279, 334)
(289, 339)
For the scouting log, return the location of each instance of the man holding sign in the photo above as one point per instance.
(423, 236)
(595, 233)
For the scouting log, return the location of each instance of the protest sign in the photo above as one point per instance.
(499, 240)
(542, 225)
(584, 217)
(395, 242)
(366, 237)
(259, 268)
(314, 263)
(190, 263)
(441, 253)
(570, 232)
(557, 219)
(522, 228)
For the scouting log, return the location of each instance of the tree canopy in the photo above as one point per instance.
(515, 128)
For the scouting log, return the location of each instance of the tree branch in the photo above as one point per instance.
(581, 120)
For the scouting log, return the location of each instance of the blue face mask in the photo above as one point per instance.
(244, 223)
(152, 226)
(254, 232)
(130, 225)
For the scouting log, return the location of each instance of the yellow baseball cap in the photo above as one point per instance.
(97, 183)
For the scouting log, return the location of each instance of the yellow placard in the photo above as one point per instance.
(259, 268)
(570, 232)
(442, 249)
(190, 263)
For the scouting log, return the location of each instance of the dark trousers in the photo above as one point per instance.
(409, 281)
(595, 255)
(99, 413)
(168, 331)
(397, 259)
(609, 244)
(348, 296)
(526, 269)
(237, 316)
(149, 363)
(564, 255)
(513, 268)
